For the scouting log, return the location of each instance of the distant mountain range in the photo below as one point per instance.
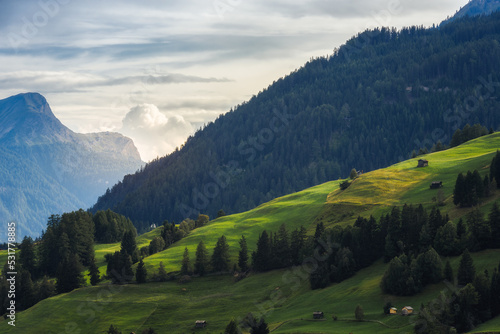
(475, 8)
(46, 168)
(380, 96)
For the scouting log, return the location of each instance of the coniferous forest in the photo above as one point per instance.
(407, 90)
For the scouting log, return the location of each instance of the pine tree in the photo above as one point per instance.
(243, 254)
(141, 273)
(201, 263)
(129, 246)
(186, 264)
(69, 274)
(260, 257)
(94, 272)
(494, 222)
(162, 273)
(231, 328)
(220, 256)
(113, 330)
(466, 271)
(260, 327)
(282, 248)
(359, 313)
(27, 257)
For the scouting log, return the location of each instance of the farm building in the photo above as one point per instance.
(318, 315)
(437, 184)
(407, 310)
(201, 324)
(423, 163)
(393, 310)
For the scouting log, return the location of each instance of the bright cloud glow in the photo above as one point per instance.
(103, 62)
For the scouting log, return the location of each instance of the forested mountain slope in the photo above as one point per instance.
(377, 98)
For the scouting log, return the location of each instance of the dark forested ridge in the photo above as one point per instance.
(377, 98)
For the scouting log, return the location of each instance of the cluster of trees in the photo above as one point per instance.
(469, 133)
(469, 189)
(110, 226)
(203, 264)
(410, 86)
(119, 264)
(54, 263)
(475, 300)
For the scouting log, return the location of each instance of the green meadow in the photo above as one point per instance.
(283, 296)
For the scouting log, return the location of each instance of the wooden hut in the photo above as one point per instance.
(318, 315)
(393, 310)
(423, 163)
(407, 310)
(201, 324)
(437, 184)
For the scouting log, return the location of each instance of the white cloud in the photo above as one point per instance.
(154, 133)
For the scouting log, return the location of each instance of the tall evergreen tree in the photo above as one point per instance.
(466, 270)
(27, 257)
(243, 254)
(186, 263)
(162, 273)
(141, 273)
(232, 328)
(201, 262)
(129, 246)
(69, 274)
(494, 222)
(260, 257)
(94, 273)
(220, 256)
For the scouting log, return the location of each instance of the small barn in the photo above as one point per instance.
(437, 184)
(200, 324)
(393, 310)
(423, 163)
(407, 310)
(318, 315)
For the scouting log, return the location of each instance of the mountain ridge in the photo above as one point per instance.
(49, 169)
(406, 90)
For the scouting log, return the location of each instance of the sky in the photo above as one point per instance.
(157, 70)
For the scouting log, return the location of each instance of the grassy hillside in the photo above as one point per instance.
(283, 296)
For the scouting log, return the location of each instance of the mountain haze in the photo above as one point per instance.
(47, 169)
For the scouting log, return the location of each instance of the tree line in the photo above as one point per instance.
(410, 86)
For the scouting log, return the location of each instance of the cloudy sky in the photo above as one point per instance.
(157, 70)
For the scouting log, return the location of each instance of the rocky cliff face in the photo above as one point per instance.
(46, 168)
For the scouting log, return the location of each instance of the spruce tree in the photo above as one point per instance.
(243, 254)
(359, 313)
(201, 262)
(141, 273)
(220, 256)
(466, 270)
(162, 273)
(494, 222)
(231, 328)
(94, 272)
(69, 274)
(27, 257)
(186, 265)
(260, 257)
